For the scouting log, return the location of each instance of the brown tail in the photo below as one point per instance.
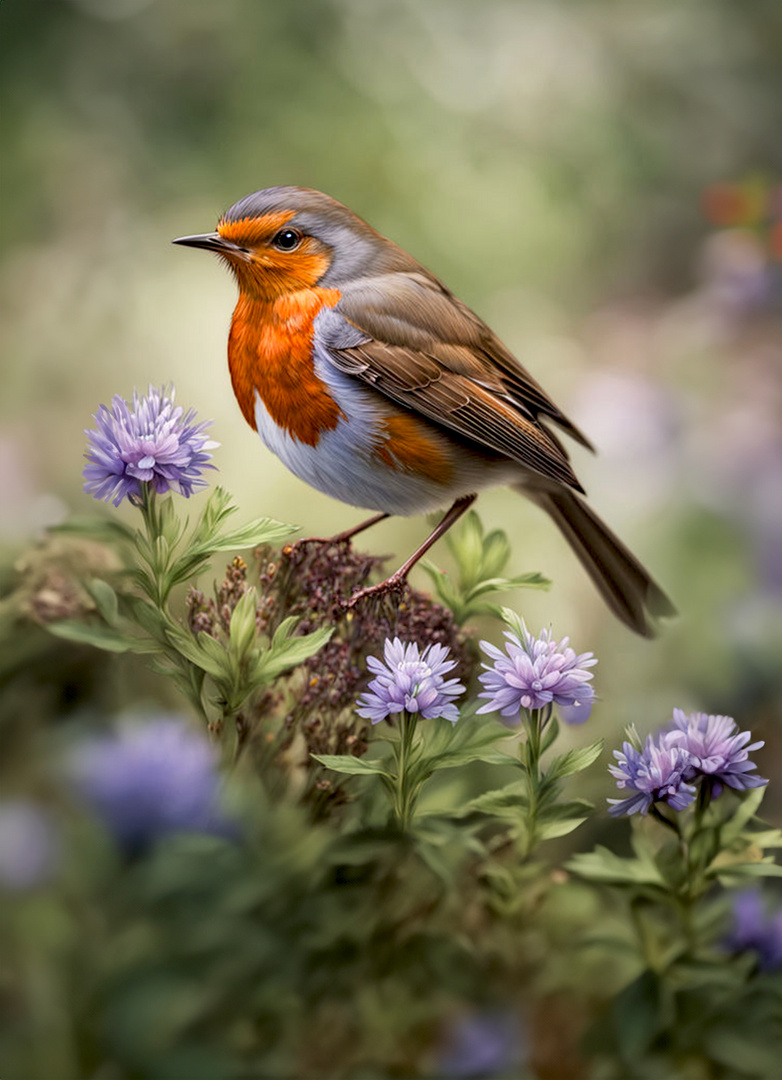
(623, 583)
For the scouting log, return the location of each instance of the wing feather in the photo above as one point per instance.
(439, 360)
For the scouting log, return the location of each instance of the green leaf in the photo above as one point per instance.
(103, 529)
(243, 631)
(604, 866)
(637, 1015)
(344, 763)
(286, 653)
(105, 599)
(260, 531)
(574, 761)
(170, 525)
(203, 650)
(745, 870)
(502, 584)
(747, 809)
(466, 544)
(496, 552)
(550, 733)
(550, 830)
(501, 802)
(570, 808)
(452, 745)
(89, 634)
(445, 589)
(147, 616)
(219, 507)
(212, 656)
(768, 838)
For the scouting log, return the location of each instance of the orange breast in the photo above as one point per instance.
(411, 446)
(270, 351)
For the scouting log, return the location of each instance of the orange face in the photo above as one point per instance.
(269, 259)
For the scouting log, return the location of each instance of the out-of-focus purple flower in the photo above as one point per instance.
(655, 774)
(29, 846)
(147, 780)
(717, 749)
(754, 928)
(154, 443)
(409, 681)
(533, 673)
(481, 1044)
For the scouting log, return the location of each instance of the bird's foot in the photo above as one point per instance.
(397, 583)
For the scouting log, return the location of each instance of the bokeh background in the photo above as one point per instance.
(599, 180)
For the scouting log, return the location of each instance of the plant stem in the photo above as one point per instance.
(533, 722)
(405, 793)
(149, 511)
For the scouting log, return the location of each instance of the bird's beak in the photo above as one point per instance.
(210, 242)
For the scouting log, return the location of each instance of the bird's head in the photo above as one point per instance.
(284, 239)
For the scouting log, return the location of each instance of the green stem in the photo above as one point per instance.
(533, 722)
(162, 588)
(149, 510)
(405, 793)
(696, 865)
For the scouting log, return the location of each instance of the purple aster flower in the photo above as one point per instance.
(29, 846)
(753, 928)
(481, 1044)
(148, 780)
(717, 749)
(656, 773)
(411, 682)
(154, 443)
(533, 673)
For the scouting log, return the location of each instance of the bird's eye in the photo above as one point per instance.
(287, 240)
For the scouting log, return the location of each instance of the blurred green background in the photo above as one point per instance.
(598, 179)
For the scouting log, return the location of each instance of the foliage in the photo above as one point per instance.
(277, 887)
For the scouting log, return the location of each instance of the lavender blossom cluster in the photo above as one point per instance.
(411, 681)
(756, 929)
(145, 781)
(533, 673)
(695, 749)
(151, 442)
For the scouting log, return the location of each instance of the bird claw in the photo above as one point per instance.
(376, 592)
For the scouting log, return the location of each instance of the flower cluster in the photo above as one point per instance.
(148, 780)
(482, 1043)
(411, 682)
(153, 443)
(754, 928)
(655, 774)
(534, 672)
(717, 749)
(695, 749)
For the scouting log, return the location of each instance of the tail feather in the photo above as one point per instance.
(627, 588)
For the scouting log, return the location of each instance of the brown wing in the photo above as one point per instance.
(419, 345)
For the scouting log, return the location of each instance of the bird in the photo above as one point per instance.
(375, 384)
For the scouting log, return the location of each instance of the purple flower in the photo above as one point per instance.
(753, 928)
(153, 443)
(148, 780)
(533, 673)
(656, 773)
(717, 749)
(29, 846)
(411, 682)
(481, 1044)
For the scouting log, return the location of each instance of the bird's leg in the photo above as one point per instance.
(348, 534)
(342, 537)
(399, 578)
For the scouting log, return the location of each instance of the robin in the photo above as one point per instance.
(376, 385)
